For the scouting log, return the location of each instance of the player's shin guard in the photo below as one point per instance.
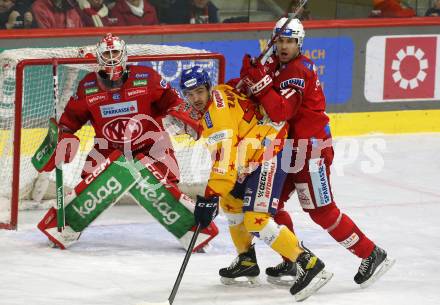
(281, 239)
(343, 230)
(282, 218)
(240, 236)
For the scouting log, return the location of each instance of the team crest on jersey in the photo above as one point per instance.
(142, 75)
(116, 96)
(96, 98)
(135, 92)
(89, 84)
(163, 83)
(108, 111)
(122, 130)
(297, 82)
(140, 82)
(208, 120)
(91, 90)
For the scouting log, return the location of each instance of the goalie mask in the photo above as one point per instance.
(294, 29)
(111, 53)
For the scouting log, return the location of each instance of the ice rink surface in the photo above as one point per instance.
(391, 188)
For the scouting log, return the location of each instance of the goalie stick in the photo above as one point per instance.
(181, 271)
(59, 168)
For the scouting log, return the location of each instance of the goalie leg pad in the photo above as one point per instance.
(48, 225)
(100, 190)
(168, 205)
(90, 198)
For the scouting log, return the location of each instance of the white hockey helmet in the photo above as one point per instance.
(112, 63)
(294, 29)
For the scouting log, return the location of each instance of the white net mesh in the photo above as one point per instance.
(37, 104)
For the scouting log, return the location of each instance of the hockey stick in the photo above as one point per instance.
(59, 168)
(181, 271)
(263, 56)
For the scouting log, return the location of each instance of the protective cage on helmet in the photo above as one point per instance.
(111, 53)
(194, 77)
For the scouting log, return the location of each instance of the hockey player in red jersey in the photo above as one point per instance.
(123, 103)
(127, 106)
(288, 88)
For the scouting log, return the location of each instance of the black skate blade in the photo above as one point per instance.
(317, 283)
(381, 270)
(243, 281)
(284, 281)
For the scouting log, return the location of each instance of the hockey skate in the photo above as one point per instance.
(311, 276)
(373, 267)
(244, 265)
(283, 274)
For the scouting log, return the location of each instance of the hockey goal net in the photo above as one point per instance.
(27, 103)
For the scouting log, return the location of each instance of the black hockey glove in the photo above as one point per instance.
(206, 210)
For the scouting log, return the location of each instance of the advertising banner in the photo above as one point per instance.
(402, 68)
(333, 58)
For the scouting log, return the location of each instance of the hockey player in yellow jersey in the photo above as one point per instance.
(246, 178)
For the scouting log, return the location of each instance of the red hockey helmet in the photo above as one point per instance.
(111, 53)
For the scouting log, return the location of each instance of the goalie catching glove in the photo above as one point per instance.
(59, 146)
(255, 76)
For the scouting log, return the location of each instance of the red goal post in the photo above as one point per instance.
(29, 123)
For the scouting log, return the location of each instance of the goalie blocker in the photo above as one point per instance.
(106, 185)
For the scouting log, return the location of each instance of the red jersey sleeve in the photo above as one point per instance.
(76, 113)
(165, 97)
(281, 105)
(291, 82)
